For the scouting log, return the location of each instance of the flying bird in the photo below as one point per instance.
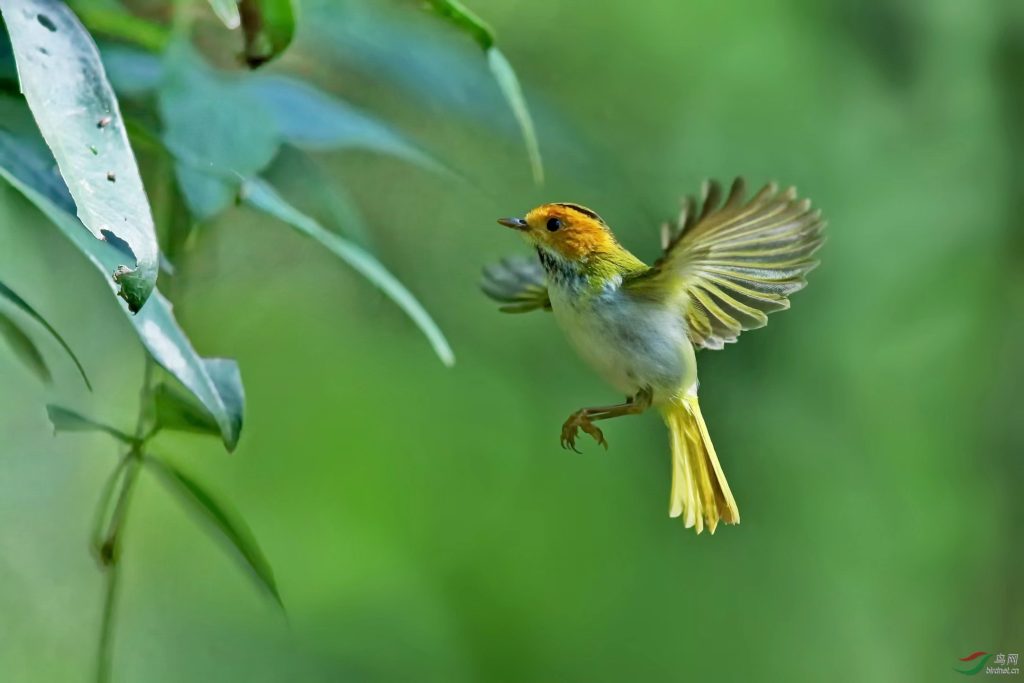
(726, 263)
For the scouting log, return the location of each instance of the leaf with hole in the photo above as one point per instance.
(214, 382)
(198, 500)
(65, 420)
(260, 195)
(76, 110)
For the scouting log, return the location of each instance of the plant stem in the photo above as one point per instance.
(106, 644)
(101, 517)
(110, 555)
(110, 546)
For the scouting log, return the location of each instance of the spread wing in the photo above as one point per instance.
(737, 261)
(518, 283)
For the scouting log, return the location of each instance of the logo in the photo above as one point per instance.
(978, 662)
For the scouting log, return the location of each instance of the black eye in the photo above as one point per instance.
(554, 224)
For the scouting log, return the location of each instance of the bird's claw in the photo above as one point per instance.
(576, 422)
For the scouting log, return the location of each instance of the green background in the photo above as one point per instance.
(424, 523)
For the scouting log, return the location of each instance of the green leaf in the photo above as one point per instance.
(310, 119)
(65, 420)
(109, 18)
(66, 87)
(216, 130)
(227, 12)
(132, 72)
(211, 384)
(268, 27)
(9, 294)
(178, 411)
(8, 71)
(462, 17)
(509, 84)
(296, 174)
(205, 193)
(215, 382)
(200, 501)
(222, 128)
(262, 196)
(24, 348)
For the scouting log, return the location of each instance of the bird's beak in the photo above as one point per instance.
(515, 223)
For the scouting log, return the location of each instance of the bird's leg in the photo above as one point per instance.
(585, 417)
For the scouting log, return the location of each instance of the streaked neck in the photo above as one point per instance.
(597, 272)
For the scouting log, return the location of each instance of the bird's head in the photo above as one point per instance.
(568, 231)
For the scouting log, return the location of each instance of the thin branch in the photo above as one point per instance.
(110, 555)
(110, 547)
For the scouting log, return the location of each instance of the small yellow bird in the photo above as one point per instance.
(725, 266)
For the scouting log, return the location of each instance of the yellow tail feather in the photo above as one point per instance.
(700, 493)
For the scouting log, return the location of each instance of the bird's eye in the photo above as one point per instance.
(554, 224)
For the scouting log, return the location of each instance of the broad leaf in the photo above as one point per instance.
(132, 72)
(222, 128)
(460, 15)
(262, 196)
(12, 296)
(200, 501)
(296, 174)
(66, 87)
(24, 348)
(65, 420)
(216, 130)
(310, 119)
(213, 385)
(176, 410)
(8, 71)
(205, 193)
(268, 27)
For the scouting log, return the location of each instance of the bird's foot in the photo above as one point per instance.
(577, 421)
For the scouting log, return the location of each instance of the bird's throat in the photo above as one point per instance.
(591, 274)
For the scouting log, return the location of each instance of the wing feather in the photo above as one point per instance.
(736, 260)
(519, 283)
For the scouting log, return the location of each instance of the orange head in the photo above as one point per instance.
(573, 232)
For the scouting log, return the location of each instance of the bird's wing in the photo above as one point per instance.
(735, 262)
(518, 283)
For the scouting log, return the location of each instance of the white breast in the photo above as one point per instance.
(632, 344)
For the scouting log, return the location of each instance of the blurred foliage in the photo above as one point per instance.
(423, 523)
(218, 131)
(22, 344)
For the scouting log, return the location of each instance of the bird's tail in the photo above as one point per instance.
(700, 493)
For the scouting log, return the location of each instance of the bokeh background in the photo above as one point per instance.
(424, 523)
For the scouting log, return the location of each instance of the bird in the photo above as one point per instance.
(727, 261)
